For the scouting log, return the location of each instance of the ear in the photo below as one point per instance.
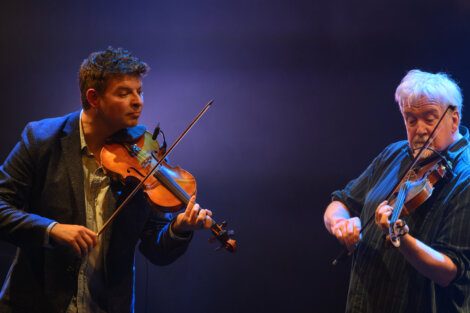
(455, 120)
(92, 97)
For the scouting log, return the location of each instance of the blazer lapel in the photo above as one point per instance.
(70, 144)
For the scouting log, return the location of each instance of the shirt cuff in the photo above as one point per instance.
(47, 242)
(185, 236)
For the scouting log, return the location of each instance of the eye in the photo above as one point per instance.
(122, 94)
(430, 119)
(410, 120)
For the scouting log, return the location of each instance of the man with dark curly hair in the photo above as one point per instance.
(55, 196)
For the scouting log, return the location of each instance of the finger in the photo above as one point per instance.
(208, 222)
(201, 218)
(189, 207)
(357, 223)
(87, 232)
(339, 236)
(205, 222)
(381, 211)
(385, 202)
(381, 205)
(83, 246)
(343, 232)
(377, 215)
(194, 213)
(384, 210)
(350, 227)
(356, 234)
(76, 248)
(384, 221)
(90, 242)
(349, 238)
(209, 212)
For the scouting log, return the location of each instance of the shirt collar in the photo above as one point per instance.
(454, 150)
(459, 146)
(83, 145)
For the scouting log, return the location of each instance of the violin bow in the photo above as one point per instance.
(151, 172)
(345, 253)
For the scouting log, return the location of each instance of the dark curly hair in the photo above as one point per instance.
(96, 70)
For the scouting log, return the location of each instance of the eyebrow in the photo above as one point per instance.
(425, 112)
(123, 88)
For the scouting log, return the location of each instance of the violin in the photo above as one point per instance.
(414, 190)
(403, 197)
(168, 188)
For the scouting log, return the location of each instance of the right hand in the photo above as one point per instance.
(348, 232)
(79, 238)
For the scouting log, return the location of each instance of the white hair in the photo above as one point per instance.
(437, 87)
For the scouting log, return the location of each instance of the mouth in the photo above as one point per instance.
(418, 143)
(134, 114)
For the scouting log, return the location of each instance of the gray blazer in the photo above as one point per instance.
(41, 181)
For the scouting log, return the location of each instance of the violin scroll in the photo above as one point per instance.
(223, 236)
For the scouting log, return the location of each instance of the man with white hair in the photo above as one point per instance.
(429, 271)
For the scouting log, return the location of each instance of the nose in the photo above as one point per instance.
(422, 129)
(137, 102)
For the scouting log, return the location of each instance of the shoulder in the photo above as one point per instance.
(393, 151)
(396, 147)
(49, 128)
(462, 167)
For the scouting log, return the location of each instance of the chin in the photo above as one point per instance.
(132, 123)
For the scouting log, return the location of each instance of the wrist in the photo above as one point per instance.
(177, 230)
(397, 231)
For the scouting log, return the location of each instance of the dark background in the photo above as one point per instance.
(303, 101)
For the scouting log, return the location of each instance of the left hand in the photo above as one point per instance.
(193, 218)
(382, 215)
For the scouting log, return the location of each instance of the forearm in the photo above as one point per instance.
(159, 244)
(335, 212)
(22, 228)
(431, 263)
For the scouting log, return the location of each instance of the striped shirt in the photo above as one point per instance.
(381, 279)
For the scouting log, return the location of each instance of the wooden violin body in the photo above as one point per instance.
(423, 181)
(412, 192)
(168, 188)
(137, 160)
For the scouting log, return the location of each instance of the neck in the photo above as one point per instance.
(457, 136)
(95, 131)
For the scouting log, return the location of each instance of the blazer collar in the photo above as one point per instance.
(70, 143)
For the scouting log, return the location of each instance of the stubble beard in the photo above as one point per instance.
(418, 144)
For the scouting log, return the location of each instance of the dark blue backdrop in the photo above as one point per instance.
(303, 101)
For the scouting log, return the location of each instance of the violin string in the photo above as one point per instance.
(141, 183)
(344, 253)
(413, 163)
